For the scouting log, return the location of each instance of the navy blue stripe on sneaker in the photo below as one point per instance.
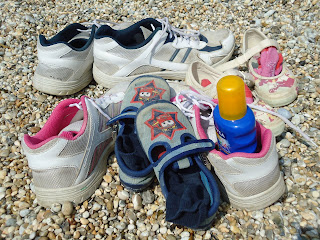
(174, 55)
(186, 55)
(211, 49)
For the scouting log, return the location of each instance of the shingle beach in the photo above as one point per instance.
(114, 212)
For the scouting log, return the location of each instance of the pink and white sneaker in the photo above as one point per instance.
(68, 156)
(250, 181)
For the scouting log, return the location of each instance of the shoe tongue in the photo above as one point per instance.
(71, 130)
(269, 59)
(146, 32)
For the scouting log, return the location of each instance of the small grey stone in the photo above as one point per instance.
(269, 13)
(296, 119)
(29, 19)
(24, 212)
(147, 197)
(171, 237)
(269, 234)
(291, 43)
(56, 207)
(137, 202)
(122, 203)
(285, 143)
(121, 226)
(11, 222)
(131, 215)
(285, 113)
(4, 153)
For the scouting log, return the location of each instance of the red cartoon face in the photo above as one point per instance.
(147, 93)
(165, 121)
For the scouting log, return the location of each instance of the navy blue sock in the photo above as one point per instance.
(188, 201)
(131, 150)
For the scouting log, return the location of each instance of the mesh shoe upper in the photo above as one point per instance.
(154, 45)
(67, 149)
(67, 55)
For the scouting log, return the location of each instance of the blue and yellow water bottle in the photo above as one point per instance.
(234, 121)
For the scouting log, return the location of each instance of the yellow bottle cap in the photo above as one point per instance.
(232, 99)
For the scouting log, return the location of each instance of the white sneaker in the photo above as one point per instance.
(250, 181)
(65, 61)
(68, 156)
(155, 47)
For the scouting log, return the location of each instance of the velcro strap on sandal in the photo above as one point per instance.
(124, 115)
(180, 152)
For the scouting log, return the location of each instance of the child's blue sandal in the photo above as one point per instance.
(168, 139)
(135, 171)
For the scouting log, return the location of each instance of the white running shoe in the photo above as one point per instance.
(68, 156)
(65, 61)
(250, 181)
(157, 48)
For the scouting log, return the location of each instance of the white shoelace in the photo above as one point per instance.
(205, 103)
(102, 102)
(179, 34)
(176, 32)
(191, 98)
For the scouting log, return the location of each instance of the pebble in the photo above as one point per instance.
(121, 226)
(123, 195)
(296, 120)
(56, 207)
(24, 212)
(285, 113)
(11, 222)
(147, 197)
(86, 214)
(108, 178)
(3, 174)
(96, 207)
(23, 109)
(137, 202)
(285, 143)
(163, 230)
(185, 234)
(315, 194)
(67, 208)
(84, 221)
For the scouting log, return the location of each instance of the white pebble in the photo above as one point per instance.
(123, 195)
(96, 207)
(315, 194)
(131, 227)
(85, 214)
(185, 234)
(163, 230)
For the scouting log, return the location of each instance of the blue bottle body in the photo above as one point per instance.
(236, 135)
